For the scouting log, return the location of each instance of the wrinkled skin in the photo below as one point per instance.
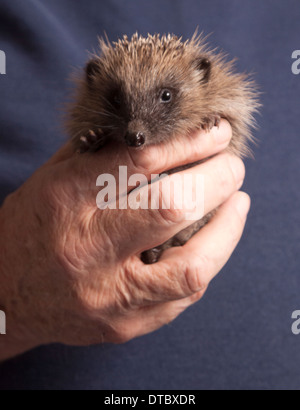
(71, 273)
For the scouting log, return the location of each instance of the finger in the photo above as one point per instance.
(186, 270)
(155, 159)
(151, 318)
(86, 168)
(181, 150)
(147, 228)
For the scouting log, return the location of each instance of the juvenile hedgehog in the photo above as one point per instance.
(143, 91)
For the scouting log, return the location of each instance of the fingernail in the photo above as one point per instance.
(238, 169)
(243, 204)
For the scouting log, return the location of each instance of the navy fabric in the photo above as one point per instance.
(239, 336)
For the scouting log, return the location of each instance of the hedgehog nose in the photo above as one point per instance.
(135, 139)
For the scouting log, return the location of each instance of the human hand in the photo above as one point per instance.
(70, 273)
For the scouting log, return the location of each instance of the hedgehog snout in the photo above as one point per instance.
(135, 139)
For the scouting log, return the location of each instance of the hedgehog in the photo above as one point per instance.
(141, 91)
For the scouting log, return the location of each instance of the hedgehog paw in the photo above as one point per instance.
(91, 142)
(210, 122)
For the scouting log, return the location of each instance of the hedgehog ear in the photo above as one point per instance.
(92, 68)
(203, 64)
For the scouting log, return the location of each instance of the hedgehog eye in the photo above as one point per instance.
(166, 96)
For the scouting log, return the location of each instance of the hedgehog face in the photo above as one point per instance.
(144, 91)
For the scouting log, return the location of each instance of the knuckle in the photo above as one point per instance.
(196, 274)
(170, 216)
(170, 212)
(224, 178)
(122, 334)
